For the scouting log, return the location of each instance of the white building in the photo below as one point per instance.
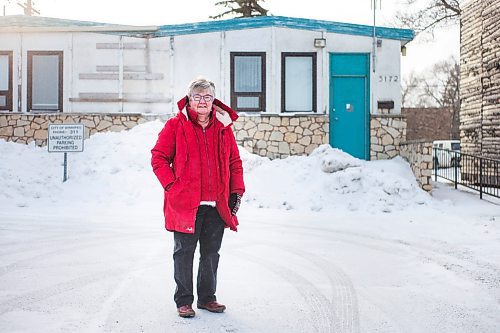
(337, 75)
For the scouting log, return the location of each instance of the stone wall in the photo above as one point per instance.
(25, 128)
(281, 136)
(480, 79)
(429, 124)
(386, 134)
(419, 155)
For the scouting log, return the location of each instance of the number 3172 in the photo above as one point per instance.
(388, 78)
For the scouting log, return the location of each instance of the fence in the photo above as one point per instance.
(477, 173)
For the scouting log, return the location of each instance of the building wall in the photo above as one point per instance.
(387, 132)
(428, 123)
(480, 79)
(418, 153)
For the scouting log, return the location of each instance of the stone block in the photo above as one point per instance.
(307, 131)
(317, 139)
(309, 149)
(272, 149)
(241, 134)
(261, 144)
(297, 148)
(249, 124)
(285, 121)
(7, 131)
(41, 134)
(275, 121)
(305, 141)
(3, 121)
(23, 123)
(377, 148)
(258, 135)
(264, 127)
(387, 140)
(294, 121)
(276, 136)
(284, 148)
(104, 124)
(19, 131)
(290, 137)
(282, 129)
(299, 130)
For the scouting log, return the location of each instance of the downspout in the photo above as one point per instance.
(120, 73)
(222, 88)
(171, 55)
(273, 80)
(20, 76)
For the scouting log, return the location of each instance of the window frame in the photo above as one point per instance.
(8, 93)
(314, 74)
(30, 80)
(261, 95)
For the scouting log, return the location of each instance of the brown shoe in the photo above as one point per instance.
(212, 306)
(185, 311)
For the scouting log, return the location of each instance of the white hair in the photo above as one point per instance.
(200, 83)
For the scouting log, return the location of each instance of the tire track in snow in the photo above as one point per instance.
(82, 245)
(482, 272)
(344, 298)
(321, 318)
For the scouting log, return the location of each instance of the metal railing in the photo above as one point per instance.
(474, 172)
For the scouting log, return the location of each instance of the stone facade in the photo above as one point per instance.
(386, 134)
(281, 136)
(429, 124)
(26, 128)
(419, 154)
(480, 79)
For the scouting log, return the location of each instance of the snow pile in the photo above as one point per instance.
(114, 171)
(330, 179)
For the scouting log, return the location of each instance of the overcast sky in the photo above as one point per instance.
(420, 55)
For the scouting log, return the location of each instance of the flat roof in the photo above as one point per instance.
(23, 23)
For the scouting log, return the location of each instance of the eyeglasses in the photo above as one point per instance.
(206, 98)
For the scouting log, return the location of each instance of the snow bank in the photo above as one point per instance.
(114, 171)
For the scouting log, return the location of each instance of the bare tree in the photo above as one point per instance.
(241, 8)
(410, 90)
(426, 15)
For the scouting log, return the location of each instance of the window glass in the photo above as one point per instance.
(247, 74)
(247, 102)
(4, 72)
(45, 84)
(248, 81)
(299, 83)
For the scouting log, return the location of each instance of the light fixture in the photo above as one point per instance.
(319, 42)
(379, 42)
(403, 51)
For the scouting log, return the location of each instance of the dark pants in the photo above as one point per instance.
(209, 230)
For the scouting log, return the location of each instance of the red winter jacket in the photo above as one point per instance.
(176, 160)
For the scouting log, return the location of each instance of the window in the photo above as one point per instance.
(248, 83)
(298, 82)
(45, 77)
(6, 80)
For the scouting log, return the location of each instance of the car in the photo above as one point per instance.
(447, 153)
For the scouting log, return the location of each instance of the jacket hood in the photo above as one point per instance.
(224, 113)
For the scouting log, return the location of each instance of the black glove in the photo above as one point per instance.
(234, 203)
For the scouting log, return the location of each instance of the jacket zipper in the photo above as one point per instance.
(208, 161)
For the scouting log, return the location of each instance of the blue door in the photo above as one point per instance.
(349, 103)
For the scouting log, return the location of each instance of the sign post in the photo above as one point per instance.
(65, 138)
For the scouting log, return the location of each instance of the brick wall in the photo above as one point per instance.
(480, 78)
(428, 123)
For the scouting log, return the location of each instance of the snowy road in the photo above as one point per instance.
(282, 272)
